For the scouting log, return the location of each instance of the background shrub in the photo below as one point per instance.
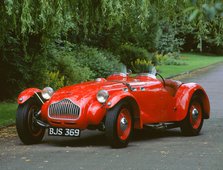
(54, 80)
(142, 66)
(102, 63)
(130, 54)
(169, 42)
(29, 26)
(169, 59)
(64, 61)
(79, 63)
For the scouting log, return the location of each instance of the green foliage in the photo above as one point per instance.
(130, 53)
(160, 58)
(108, 24)
(54, 80)
(169, 42)
(29, 27)
(79, 63)
(206, 20)
(142, 66)
(209, 10)
(64, 60)
(169, 59)
(173, 61)
(71, 69)
(102, 63)
(19, 71)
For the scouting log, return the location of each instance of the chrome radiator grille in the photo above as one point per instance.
(64, 109)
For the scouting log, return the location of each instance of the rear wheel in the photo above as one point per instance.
(28, 130)
(119, 125)
(193, 122)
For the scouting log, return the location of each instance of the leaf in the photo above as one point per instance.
(194, 1)
(193, 15)
(188, 9)
(211, 13)
(218, 6)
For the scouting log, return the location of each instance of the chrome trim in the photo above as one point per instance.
(66, 108)
(39, 98)
(42, 124)
(195, 114)
(38, 114)
(98, 80)
(142, 88)
(123, 124)
(134, 89)
(125, 90)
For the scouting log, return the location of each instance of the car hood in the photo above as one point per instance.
(84, 92)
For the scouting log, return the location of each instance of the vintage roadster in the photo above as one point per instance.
(116, 105)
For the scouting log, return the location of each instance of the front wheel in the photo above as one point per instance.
(193, 122)
(28, 130)
(119, 125)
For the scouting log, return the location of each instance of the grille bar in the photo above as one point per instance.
(64, 109)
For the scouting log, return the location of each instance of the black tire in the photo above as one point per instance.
(119, 125)
(193, 122)
(28, 130)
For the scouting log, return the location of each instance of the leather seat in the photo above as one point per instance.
(172, 86)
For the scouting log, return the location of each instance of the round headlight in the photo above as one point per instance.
(47, 92)
(102, 96)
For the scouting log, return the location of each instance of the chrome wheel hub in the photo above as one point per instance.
(195, 114)
(123, 124)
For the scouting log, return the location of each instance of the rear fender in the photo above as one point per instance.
(184, 96)
(26, 94)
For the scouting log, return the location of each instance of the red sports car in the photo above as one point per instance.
(116, 105)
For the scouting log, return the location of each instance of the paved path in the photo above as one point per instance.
(149, 150)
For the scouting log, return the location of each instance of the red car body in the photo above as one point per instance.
(152, 101)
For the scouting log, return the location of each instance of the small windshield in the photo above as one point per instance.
(153, 71)
(122, 71)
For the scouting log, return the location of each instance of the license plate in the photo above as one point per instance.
(54, 131)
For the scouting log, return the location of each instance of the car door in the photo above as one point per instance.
(155, 103)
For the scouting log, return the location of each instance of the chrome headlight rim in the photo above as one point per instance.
(47, 93)
(102, 96)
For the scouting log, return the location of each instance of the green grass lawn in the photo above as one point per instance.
(7, 113)
(194, 61)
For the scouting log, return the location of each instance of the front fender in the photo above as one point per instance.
(97, 111)
(26, 94)
(183, 98)
(116, 97)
